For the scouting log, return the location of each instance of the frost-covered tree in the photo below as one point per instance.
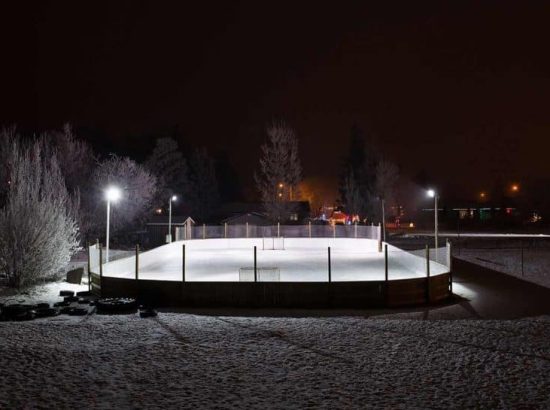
(77, 165)
(138, 188)
(168, 165)
(203, 194)
(280, 170)
(38, 227)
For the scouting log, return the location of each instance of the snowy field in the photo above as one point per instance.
(190, 361)
(536, 262)
(303, 259)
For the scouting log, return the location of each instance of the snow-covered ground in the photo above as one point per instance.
(190, 361)
(48, 292)
(536, 262)
(303, 259)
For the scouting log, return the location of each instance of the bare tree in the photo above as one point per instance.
(38, 228)
(280, 170)
(138, 188)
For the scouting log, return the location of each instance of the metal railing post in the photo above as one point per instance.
(137, 262)
(225, 230)
(309, 227)
(427, 274)
(183, 263)
(255, 266)
(449, 265)
(89, 268)
(247, 229)
(203, 231)
(355, 229)
(386, 275)
(100, 271)
(329, 267)
(278, 229)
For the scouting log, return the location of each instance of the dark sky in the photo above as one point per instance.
(458, 89)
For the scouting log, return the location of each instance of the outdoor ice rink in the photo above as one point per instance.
(301, 260)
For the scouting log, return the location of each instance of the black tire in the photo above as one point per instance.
(71, 299)
(78, 311)
(66, 293)
(116, 305)
(61, 304)
(84, 293)
(47, 312)
(148, 313)
(16, 309)
(83, 301)
(26, 315)
(65, 310)
(42, 305)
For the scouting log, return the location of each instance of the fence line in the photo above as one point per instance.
(277, 230)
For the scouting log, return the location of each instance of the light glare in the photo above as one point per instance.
(431, 193)
(112, 193)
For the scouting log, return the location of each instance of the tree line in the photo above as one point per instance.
(52, 190)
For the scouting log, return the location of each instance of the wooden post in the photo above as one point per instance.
(225, 230)
(247, 229)
(255, 266)
(137, 262)
(183, 263)
(334, 230)
(329, 267)
(89, 268)
(278, 229)
(427, 274)
(355, 228)
(309, 226)
(203, 231)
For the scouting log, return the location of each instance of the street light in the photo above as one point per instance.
(169, 236)
(433, 194)
(111, 194)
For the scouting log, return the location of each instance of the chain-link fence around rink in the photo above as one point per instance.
(289, 231)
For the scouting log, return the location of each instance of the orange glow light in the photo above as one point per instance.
(515, 188)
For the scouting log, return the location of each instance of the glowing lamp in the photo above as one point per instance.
(112, 194)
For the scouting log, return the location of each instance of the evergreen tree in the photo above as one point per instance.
(280, 171)
(203, 194)
(168, 165)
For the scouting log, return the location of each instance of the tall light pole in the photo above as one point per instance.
(435, 196)
(111, 194)
(169, 236)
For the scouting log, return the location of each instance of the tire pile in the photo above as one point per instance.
(72, 305)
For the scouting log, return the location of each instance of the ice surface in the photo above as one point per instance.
(304, 259)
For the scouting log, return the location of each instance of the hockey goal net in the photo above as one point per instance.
(273, 243)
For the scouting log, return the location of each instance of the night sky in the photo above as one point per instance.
(456, 89)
